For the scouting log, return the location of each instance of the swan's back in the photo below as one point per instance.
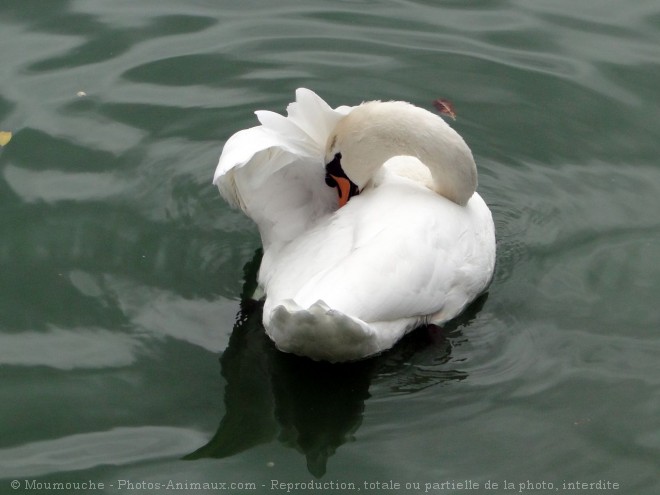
(393, 258)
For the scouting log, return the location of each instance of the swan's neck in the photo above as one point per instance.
(382, 130)
(449, 160)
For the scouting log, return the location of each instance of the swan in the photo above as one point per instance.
(369, 218)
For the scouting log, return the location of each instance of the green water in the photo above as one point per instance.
(128, 356)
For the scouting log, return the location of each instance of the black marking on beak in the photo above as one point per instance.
(334, 169)
(333, 172)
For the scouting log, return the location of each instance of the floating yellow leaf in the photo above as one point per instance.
(5, 137)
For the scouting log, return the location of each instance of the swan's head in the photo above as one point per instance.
(375, 131)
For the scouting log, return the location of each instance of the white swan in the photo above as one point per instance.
(401, 239)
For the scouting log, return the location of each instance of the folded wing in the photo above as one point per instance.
(275, 172)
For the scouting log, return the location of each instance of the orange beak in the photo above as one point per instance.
(343, 189)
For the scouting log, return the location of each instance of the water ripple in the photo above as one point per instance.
(53, 185)
(118, 446)
(68, 349)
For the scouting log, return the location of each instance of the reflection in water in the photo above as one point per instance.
(313, 407)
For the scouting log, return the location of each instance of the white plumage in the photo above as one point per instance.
(416, 246)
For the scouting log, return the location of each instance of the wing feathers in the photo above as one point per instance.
(275, 171)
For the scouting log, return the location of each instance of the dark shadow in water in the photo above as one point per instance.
(313, 407)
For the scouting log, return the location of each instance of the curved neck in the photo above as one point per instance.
(447, 157)
(382, 130)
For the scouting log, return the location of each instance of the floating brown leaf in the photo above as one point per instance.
(444, 107)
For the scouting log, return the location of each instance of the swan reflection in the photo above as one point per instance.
(313, 407)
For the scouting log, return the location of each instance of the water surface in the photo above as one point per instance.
(128, 347)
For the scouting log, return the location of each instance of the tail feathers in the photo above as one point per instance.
(321, 333)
